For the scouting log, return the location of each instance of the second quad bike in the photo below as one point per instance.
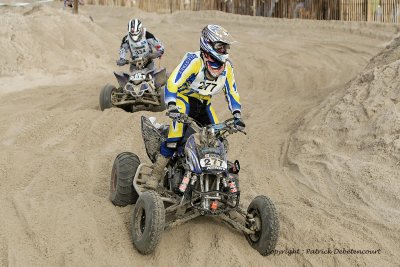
(198, 181)
(141, 89)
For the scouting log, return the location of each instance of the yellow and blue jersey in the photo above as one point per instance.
(187, 86)
(188, 79)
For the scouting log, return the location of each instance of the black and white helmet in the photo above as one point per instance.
(135, 29)
(216, 41)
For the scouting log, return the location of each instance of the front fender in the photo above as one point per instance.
(191, 155)
(193, 161)
(122, 78)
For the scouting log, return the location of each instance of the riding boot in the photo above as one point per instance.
(158, 172)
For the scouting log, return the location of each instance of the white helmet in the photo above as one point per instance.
(214, 43)
(135, 29)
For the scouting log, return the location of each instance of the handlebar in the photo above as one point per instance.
(145, 59)
(227, 126)
(140, 62)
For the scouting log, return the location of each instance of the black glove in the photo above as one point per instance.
(173, 111)
(238, 121)
(122, 61)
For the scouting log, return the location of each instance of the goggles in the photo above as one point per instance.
(221, 48)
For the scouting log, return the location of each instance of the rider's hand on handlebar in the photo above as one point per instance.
(238, 121)
(122, 61)
(173, 111)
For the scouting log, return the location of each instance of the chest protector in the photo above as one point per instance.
(140, 48)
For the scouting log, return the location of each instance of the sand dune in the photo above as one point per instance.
(320, 100)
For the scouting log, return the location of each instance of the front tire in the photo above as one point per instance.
(148, 221)
(265, 238)
(122, 192)
(105, 96)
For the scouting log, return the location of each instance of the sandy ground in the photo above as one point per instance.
(323, 121)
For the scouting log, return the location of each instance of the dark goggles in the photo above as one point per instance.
(221, 48)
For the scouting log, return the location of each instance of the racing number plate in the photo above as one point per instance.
(138, 76)
(213, 163)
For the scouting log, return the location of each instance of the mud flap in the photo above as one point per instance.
(152, 138)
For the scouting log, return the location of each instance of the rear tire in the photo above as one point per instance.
(105, 96)
(122, 192)
(266, 237)
(148, 221)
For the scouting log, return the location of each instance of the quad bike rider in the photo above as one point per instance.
(190, 87)
(191, 175)
(140, 43)
(142, 88)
